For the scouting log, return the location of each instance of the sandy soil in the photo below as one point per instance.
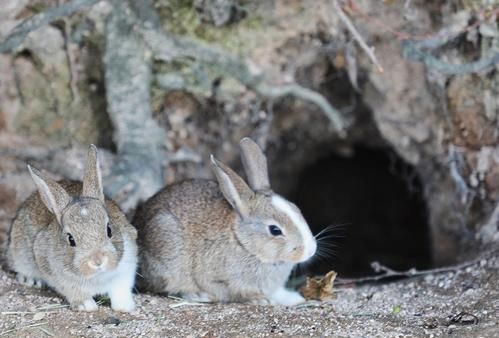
(464, 303)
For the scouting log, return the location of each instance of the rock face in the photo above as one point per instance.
(52, 97)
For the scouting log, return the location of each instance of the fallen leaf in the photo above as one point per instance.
(319, 288)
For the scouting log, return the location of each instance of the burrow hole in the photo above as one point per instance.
(374, 201)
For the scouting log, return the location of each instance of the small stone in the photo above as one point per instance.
(39, 316)
(111, 320)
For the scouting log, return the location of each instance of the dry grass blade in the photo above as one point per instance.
(10, 313)
(22, 328)
(45, 308)
(47, 332)
(185, 303)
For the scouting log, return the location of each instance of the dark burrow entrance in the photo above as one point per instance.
(376, 203)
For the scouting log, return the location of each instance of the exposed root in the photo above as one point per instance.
(19, 33)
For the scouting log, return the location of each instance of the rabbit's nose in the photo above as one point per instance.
(98, 262)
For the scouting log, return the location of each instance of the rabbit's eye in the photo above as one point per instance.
(275, 230)
(71, 239)
(109, 232)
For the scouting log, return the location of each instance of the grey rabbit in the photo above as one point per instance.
(223, 240)
(70, 237)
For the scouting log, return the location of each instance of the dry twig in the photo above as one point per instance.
(356, 35)
(387, 272)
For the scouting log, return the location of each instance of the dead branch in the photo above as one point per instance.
(19, 33)
(137, 173)
(356, 35)
(386, 272)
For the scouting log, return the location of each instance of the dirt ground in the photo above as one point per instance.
(463, 303)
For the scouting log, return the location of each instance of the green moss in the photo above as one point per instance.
(180, 18)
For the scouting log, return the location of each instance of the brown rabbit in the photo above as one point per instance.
(71, 238)
(223, 241)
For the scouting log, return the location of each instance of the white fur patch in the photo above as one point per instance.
(120, 288)
(308, 239)
(118, 283)
(88, 305)
(84, 211)
(283, 296)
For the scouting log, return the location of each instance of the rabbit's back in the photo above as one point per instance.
(174, 226)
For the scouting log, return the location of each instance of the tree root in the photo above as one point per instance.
(413, 50)
(19, 33)
(138, 172)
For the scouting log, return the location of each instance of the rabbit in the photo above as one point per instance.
(71, 238)
(223, 241)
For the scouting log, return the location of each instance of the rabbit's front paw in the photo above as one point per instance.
(122, 299)
(286, 297)
(260, 301)
(123, 304)
(88, 305)
(37, 283)
(199, 297)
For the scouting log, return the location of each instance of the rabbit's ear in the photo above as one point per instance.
(53, 195)
(92, 180)
(232, 186)
(255, 165)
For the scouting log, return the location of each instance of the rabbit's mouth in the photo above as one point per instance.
(97, 264)
(303, 253)
(309, 251)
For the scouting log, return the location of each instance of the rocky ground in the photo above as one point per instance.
(462, 303)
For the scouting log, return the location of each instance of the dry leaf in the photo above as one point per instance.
(319, 288)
